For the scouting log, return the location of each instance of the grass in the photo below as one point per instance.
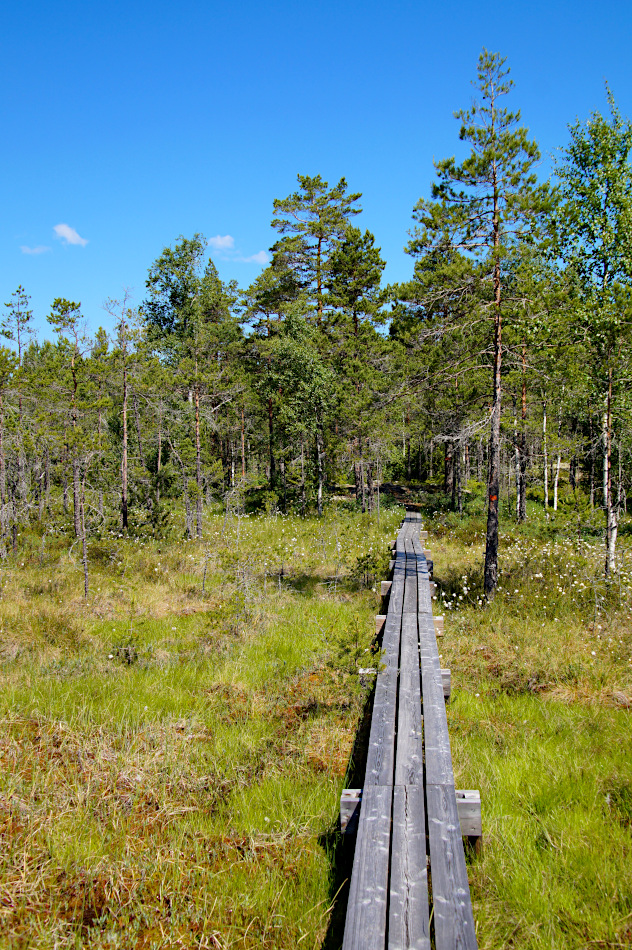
(173, 751)
(172, 757)
(540, 723)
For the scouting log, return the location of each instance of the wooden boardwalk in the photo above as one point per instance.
(409, 881)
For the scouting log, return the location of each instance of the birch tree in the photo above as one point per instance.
(594, 228)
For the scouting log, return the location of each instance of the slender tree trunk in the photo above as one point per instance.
(572, 468)
(448, 468)
(459, 485)
(47, 477)
(243, 447)
(517, 466)
(99, 430)
(320, 461)
(198, 465)
(3, 477)
(141, 454)
(356, 481)
(493, 481)
(319, 281)
(283, 484)
(591, 458)
(362, 482)
(40, 491)
(84, 543)
(159, 458)
(124, 512)
(468, 473)
(271, 442)
(612, 505)
(303, 499)
(546, 460)
(369, 483)
(604, 446)
(76, 500)
(524, 455)
(619, 480)
(430, 461)
(187, 512)
(558, 463)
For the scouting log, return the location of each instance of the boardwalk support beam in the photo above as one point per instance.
(468, 807)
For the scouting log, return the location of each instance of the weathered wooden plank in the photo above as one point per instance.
(410, 589)
(390, 640)
(365, 926)
(436, 738)
(452, 906)
(381, 752)
(424, 600)
(396, 597)
(427, 638)
(408, 921)
(410, 595)
(409, 748)
(399, 568)
(421, 557)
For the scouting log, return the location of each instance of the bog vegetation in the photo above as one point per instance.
(173, 750)
(193, 515)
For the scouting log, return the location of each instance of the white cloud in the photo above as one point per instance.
(222, 242)
(224, 245)
(40, 249)
(261, 257)
(68, 235)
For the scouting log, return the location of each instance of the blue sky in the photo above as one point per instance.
(128, 124)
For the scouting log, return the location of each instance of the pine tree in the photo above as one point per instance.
(311, 221)
(482, 207)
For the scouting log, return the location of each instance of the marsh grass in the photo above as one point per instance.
(172, 752)
(540, 722)
(172, 756)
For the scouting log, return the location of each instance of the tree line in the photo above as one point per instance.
(505, 358)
